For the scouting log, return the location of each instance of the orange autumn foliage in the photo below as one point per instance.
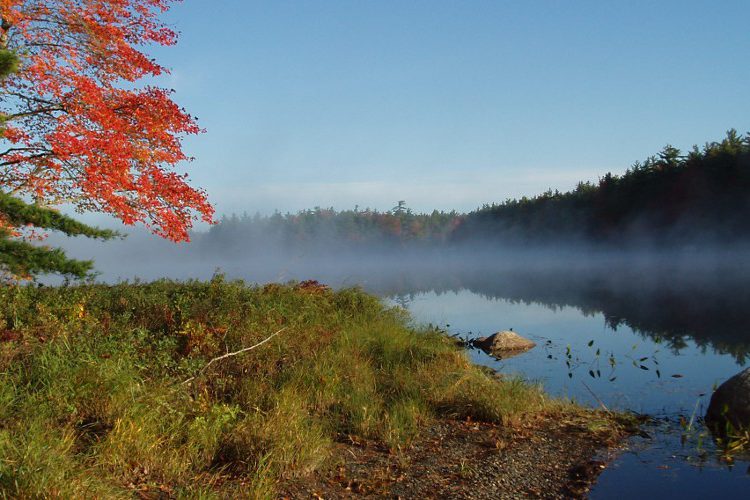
(77, 127)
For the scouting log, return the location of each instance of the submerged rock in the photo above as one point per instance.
(504, 344)
(730, 404)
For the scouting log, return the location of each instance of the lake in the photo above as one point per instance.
(656, 348)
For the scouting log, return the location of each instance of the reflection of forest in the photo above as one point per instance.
(670, 308)
(667, 302)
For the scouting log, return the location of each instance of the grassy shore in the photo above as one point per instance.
(106, 391)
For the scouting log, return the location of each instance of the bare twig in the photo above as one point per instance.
(596, 397)
(230, 354)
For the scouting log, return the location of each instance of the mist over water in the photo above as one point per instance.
(672, 293)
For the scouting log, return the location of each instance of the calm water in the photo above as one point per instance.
(656, 349)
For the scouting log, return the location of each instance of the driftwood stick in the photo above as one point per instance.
(230, 354)
(596, 397)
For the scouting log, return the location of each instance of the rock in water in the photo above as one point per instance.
(504, 344)
(730, 404)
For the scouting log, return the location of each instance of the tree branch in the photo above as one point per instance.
(32, 98)
(34, 112)
(230, 354)
(26, 158)
(16, 150)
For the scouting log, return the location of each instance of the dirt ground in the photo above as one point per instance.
(546, 458)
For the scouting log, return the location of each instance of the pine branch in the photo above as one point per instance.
(23, 259)
(18, 213)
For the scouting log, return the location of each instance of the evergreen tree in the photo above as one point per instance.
(22, 259)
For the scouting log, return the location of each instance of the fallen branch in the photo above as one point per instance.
(230, 354)
(596, 397)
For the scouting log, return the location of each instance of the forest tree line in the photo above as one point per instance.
(667, 199)
(326, 228)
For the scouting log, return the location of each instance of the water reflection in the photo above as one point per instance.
(711, 309)
(651, 342)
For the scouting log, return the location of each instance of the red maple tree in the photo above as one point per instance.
(75, 126)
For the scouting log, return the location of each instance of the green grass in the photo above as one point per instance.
(93, 404)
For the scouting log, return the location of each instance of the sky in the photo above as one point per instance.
(445, 104)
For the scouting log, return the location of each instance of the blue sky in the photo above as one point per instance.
(446, 104)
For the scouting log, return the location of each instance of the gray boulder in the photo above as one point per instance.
(504, 344)
(730, 404)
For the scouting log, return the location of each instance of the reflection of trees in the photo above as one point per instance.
(403, 300)
(665, 304)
